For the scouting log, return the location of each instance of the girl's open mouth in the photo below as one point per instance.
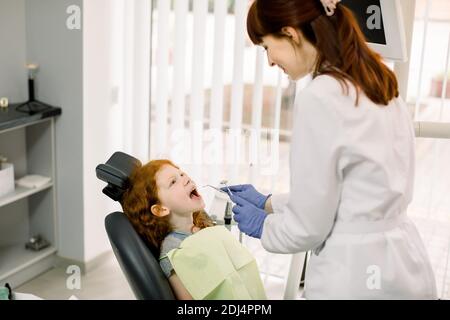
(194, 195)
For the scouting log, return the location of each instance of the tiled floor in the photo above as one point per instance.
(107, 282)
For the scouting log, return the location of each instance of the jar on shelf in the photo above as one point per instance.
(6, 177)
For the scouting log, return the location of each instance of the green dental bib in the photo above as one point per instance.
(213, 265)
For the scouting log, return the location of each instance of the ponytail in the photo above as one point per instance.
(348, 57)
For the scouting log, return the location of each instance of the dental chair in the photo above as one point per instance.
(137, 260)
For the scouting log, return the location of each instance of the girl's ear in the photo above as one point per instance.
(159, 211)
(195, 229)
(293, 34)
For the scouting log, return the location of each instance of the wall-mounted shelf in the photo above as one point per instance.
(11, 119)
(28, 142)
(16, 258)
(22, 192)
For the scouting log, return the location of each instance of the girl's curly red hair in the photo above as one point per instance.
(139, 198)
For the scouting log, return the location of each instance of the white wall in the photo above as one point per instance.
(13, 83)
(102, 125)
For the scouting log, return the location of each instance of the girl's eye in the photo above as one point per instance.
(172, 182)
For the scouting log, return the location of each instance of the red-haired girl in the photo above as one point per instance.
(164, 207)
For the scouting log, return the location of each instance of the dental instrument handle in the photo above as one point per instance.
(224, 182)
(228, 215)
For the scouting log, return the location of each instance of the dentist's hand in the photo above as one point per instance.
(250, 219)
(249, 193)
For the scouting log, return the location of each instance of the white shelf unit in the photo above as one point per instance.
(22, 192)
(27, 212)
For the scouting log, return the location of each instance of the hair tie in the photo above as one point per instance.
(330, 6)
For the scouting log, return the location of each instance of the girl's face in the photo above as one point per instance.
(177, 192)
(293, 54)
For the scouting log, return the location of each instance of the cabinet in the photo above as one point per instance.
(28, 141)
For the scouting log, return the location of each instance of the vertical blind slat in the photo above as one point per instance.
(162, 77)
(117, 70)
(179, 68)
(140, 109)
(444, 86)
(237, 86)
(422, 59)
(257, 105)
(275, 136)
(128, 74)
(196, 108)
(216, 106)
(216, 114)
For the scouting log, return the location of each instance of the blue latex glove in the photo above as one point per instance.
(250, 219)
(249, 193)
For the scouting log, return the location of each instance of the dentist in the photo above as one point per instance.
(351, 161)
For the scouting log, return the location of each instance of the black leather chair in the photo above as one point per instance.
(136, 259)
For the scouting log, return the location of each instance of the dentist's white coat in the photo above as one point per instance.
(352, 176)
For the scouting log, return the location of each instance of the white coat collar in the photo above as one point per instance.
(301, 84)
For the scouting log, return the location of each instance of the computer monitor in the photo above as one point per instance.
(382, 24)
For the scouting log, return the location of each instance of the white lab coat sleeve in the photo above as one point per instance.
(279, 201)
(308, 216)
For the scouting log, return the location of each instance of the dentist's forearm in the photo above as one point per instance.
(268, 205)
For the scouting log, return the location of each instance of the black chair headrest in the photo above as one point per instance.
(116, 172)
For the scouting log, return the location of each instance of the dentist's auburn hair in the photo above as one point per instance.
(342, 49)
(141, 196)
